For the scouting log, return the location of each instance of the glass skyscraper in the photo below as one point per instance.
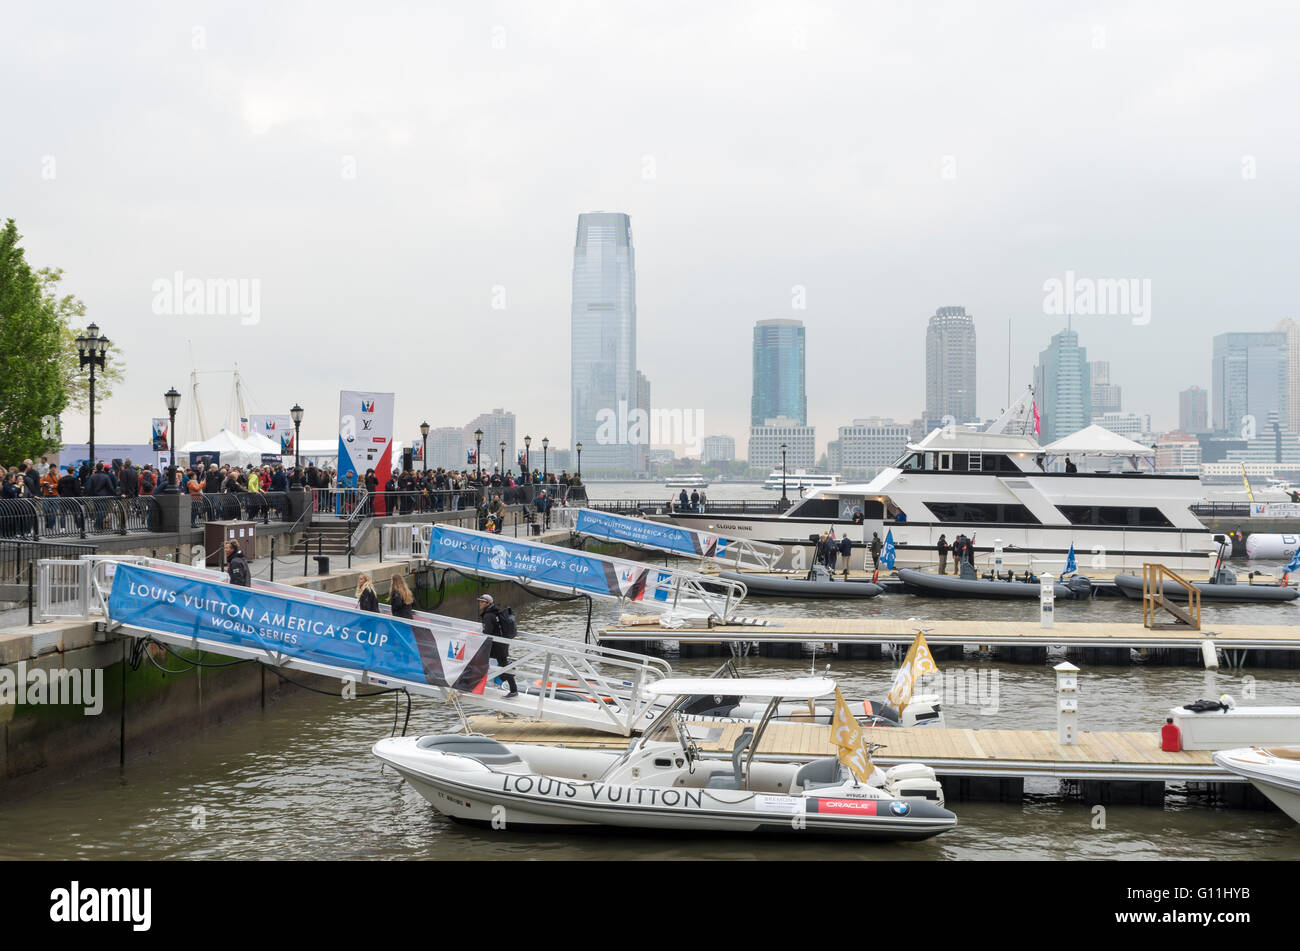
(1249, 381)
(1063, 387)
(778, 372)
(950, 367)
(603, 343)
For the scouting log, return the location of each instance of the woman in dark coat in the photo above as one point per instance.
(367, 598)
(400, 598)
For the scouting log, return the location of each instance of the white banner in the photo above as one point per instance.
(365, 438)
(1274, 510)
(278, 427)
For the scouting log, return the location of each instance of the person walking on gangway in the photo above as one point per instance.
(493, 627)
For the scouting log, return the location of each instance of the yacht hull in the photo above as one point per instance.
(1274, 771)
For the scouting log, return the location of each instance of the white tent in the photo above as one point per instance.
(263, 444)
(1099, 443)
(234, 451)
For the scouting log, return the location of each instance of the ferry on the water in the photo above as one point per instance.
(801, 480)
(686, 482)
(1001, 489)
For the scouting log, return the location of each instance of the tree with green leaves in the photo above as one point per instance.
(33, 382)
(71, 314)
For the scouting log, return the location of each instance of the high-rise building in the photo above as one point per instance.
(1063, 387)
(869, 445)
(1292, 331)
(643, 401)
(447, 448)
(718, 449)
(498, 426)
(603, 342)
(1193, 411)
(950, 367)
(765, 443)
(1106, 396)
(1178, 453)
(1249, 382)
(778, 372)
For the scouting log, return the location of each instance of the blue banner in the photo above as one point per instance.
(889, 549)
(247, 617)
(640, 531)
(488, 555)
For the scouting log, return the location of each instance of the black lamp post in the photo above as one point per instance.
(173, 400)
(502, 470)
(424, 433)
(528, 441)
(579, 447)
(296, 415)
(784, 501)
(546, 442)
(478, 458)
(91, 351)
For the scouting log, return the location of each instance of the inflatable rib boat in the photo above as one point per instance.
(794, 586)
(931, 585)
(664, 781)
(1224, 591)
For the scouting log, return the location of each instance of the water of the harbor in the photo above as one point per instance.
(298, 780)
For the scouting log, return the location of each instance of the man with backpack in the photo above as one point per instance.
(500, 626)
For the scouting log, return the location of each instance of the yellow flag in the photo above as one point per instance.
(846, 733)
(1249, 494)
(918, 661)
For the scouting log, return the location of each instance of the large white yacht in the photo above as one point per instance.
(999, 489)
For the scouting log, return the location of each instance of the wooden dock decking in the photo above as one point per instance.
(878, 630)
(950, 752)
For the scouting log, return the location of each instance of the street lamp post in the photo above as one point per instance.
(424, 434)
(528, 472)
(478, 458)
(784, 501)
(579, 448)
(502, 469)
(546, 442)
(173, 400)
(296, 415)
(91, 351)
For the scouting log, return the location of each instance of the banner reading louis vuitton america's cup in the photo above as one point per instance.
(365, 438)
(319, 633)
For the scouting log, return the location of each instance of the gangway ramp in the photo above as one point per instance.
(568, 570)
(739, 553)
(325, 634)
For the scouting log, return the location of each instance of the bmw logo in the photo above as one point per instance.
(899, 808)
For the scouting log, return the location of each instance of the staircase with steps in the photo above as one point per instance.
(332, 539)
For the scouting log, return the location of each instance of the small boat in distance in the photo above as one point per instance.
(686, 482)
(801, 479)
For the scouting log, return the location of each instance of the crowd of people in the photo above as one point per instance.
(428, 490)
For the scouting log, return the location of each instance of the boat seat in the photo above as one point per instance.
(820, 772)
(486, 750)
(735, 780)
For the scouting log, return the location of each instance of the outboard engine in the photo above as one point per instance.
(1080, 587)
(914, 781)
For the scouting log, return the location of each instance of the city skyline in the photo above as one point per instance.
(925, 200)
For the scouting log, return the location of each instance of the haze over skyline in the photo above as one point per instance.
(404, 186)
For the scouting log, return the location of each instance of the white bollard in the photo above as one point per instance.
(1067, 704)
(1210, 654)
(1046, 600)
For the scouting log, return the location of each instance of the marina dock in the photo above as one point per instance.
(972, 764)
(1102, 642)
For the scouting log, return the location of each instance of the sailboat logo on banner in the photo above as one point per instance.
(455, 650)
(367, 406)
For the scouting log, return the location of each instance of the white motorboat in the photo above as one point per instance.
(686, 482)
(1020, 506)
(663, 781)
(801, 480)
(1273, 770)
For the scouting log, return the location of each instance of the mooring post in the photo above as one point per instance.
(1067, 704)
(1046, 600)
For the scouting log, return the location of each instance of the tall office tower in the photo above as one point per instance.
(778, 372)
(603, 342)
(1249, 382)
(643, 401)
(498, 427)
(1063, 387)
(1193, 411)
(1292, 331)
(950, 367)
(1105, 395)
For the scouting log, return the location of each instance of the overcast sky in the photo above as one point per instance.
(388, 174)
